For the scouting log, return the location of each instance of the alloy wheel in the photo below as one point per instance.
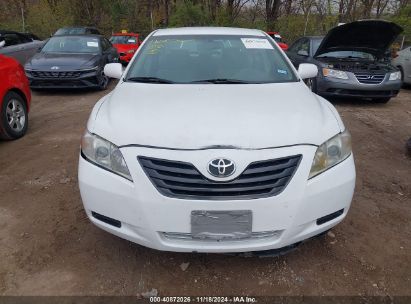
(16, 116)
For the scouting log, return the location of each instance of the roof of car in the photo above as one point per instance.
(209, 31)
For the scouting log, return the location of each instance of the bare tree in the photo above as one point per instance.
(272, 8)
(234, 8)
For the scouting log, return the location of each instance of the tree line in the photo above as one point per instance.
(292, 18)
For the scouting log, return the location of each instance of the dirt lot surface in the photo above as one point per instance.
(48, 246)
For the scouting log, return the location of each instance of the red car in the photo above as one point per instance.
(15, 99)
(126, 45)
(277, 37)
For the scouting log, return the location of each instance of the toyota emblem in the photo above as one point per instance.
(221, 167)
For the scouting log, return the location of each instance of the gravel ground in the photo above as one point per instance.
(48, 246)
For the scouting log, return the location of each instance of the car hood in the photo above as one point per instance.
(42, 61)
(251, 116)
(372, 36)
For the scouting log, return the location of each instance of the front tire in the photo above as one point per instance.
(13, 117)
(312, 84)
(103, 81)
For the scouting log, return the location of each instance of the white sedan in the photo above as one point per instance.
(211, 142)
(403, 62)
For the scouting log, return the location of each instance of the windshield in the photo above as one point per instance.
(71, 31)
(348, 54)
(72, 45)
(316, 43)
(227, 59)
(123, 40)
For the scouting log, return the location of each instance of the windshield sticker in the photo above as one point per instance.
(279, 71)
(92, 43)
(131, 40)
(256, 43)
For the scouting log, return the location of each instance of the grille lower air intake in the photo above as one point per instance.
(182, 180)
(369, 78)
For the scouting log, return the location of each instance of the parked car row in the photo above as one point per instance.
(350, 59)
(200, 161)
(74, 57)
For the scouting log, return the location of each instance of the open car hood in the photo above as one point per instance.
(371, 36)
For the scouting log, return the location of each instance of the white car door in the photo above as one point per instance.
(406, 54)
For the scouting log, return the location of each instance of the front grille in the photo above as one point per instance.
(182, 180)
(369, 78)
(47, 74)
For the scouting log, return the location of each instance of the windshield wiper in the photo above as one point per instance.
(221, 81)
(149, 80)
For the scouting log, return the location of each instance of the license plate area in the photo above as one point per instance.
(221, 225)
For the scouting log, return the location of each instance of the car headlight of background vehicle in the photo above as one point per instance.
(131, 51)
(330, 153)
(104, 154)
(334, 73)
(395, 76)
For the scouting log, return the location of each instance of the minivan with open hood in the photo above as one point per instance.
(352, 60)
(212, 142)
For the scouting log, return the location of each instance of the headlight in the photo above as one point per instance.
(395, 76)
(105, 154)
(330, 153)
(131, 51)
(334, 73)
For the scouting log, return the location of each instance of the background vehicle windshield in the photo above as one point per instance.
(316, 43)
(348, 54)
(186, 59)
(71, 31)
(72, 45)
(123, 40)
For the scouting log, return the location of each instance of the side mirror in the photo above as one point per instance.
(2, 43)
(113, 70)
(307, 70)
(302, 53)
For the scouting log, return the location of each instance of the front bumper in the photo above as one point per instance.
(148, 218)
(125, 57)
(353, 88)
(90, 79)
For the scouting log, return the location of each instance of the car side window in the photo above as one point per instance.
(302, 47)
(294, 48)
(305, 46)
(94, 31)
(11, 39)
(24, 39)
